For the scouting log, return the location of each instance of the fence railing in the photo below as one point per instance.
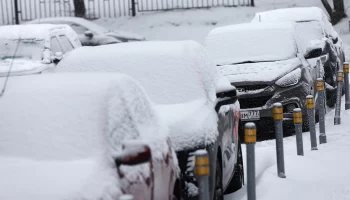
(33, 9)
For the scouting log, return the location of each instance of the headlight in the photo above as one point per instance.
(290, 79)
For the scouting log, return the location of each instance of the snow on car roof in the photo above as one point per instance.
(291, 14)
(171, 72)
(28, 31)
(252, 42)
(90, 25)
(57, 180)
(73, 116)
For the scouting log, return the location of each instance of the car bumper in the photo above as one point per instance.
(290, 98)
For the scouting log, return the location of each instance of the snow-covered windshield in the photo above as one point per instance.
(307, 32)
(27, 49)
(251, 43)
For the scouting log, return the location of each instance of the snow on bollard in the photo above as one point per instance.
(346, 79)
(202, 171)
(310, 105)
(250, 140)
(340, 79)
(126, 197)
(298, 123)
(321, 110)
(278, 117)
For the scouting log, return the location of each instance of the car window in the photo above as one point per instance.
(78, 29)
(67, 45)
(55, 45)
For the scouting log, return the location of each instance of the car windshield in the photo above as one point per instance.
(246, 45)
(307, 32)
(27, 49)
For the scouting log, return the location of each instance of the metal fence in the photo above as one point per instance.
(33, 9)
(159, 5)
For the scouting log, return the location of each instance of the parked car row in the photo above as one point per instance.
(127, 118)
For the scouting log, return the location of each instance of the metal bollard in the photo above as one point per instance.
(346, 79)
(202, 170)
(321, 110)
(278, 117)
(310, 105)
(126, 197)
(250, 139)
(298, 123)
(340, 79)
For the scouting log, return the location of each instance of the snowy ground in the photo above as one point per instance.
(321, 174)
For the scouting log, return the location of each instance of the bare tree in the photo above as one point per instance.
(338, 12)
(79, 8)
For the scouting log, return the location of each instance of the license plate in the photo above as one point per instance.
(250, 115)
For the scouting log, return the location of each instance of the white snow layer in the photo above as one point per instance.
(264, 72)
(157, 65)
(58, 120)
(30, 31)
(252, 42)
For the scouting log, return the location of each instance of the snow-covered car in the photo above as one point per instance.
(199, 105)
(31, 49)
(263, 60)
(90, 33)
(83, 136)
(302, 15)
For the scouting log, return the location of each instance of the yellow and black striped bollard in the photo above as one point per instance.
(346, 85)
(278, 117)
(298, 123)
(340, 79)
(202, 170)
(250, 140)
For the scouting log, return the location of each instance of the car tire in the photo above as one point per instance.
(218, 189)
(237, 180)
(331, 97)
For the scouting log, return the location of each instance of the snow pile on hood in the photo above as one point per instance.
(252, 42)
(28, 31)
(73, 117)
(171, 72)
(259, 72)
(192, 124)
(22, 66)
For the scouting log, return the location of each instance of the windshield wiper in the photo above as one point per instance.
(248, 61)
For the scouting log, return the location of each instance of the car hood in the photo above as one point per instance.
(22, 67)
(191, 125)
(57, 180)
(126, 35)
(259, 72)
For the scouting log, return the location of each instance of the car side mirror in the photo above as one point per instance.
(313, 53)
(226, 97)
(335, 40)
(89, 34)
(134, 153)
(57, 57)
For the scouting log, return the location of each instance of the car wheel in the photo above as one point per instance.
(237, 180)
(331, 97)
(218, 190)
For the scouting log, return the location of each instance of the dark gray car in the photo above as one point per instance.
(267, 65)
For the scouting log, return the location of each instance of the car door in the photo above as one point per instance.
(55, 45)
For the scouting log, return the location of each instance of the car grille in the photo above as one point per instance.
(254, 102)
(251, 87)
